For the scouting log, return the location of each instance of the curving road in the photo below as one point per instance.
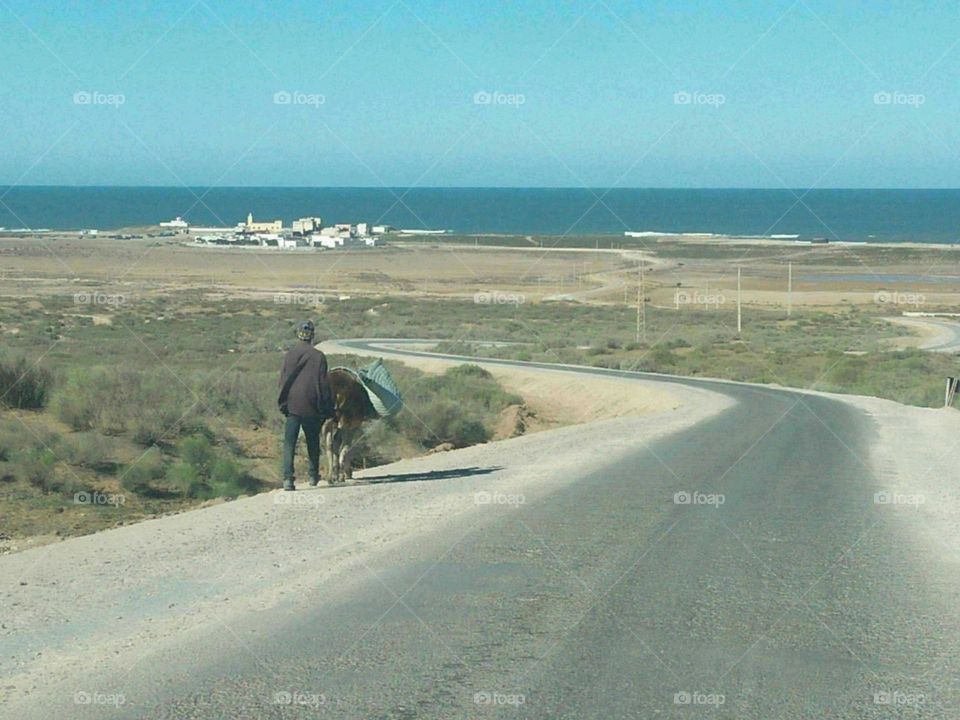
(941, 335)
(784, 591)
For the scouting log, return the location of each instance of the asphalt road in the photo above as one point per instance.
(945, 337)
(782, 590)
(948, 340)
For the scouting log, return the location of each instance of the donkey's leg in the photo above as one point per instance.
(331, 450)
(346, 448)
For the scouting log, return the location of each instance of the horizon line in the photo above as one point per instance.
(12, 187)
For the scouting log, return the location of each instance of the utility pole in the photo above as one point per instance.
(789, 288)
(739, 299)
(643, 302)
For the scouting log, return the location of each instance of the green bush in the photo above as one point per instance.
(11, 438)
(88, 450)
(36, 466)
(202, 472)
(444, 422)
(23, 385)
(141, 476)
(152, 407)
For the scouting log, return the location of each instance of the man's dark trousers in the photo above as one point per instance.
(311, 433)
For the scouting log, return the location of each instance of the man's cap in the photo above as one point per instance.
(305, 330)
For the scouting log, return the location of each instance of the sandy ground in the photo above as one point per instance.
(110, 597)
(917, 456)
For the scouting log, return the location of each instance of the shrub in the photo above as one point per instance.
(202, 472)
(11, 437)
(23, 385)
(88, 450)
(141, 476)
(36, 466)
(242, 396)
(151, 407)
(445, 421)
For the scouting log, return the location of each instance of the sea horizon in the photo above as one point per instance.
(926, 215)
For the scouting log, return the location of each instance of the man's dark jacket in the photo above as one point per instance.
(304, 385)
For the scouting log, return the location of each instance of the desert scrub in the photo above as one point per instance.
(23, 385)
(459, 407)
(88, 450)
(204, 472)
(144, 476)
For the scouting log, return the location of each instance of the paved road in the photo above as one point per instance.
(797, 597)
(945, 337)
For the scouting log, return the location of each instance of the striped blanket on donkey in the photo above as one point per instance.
(358, 395)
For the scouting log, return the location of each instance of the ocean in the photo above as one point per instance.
(931, 216)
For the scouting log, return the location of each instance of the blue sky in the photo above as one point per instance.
(498, 93)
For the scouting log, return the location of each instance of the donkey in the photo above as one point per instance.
(352, 407)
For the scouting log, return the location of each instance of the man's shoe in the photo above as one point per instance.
(314, 481)
(288, 485)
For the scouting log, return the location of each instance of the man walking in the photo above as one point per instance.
(305, 400)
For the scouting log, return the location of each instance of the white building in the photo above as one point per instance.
(305, 226)
(179, 225)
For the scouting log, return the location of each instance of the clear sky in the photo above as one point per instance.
(480, 93)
